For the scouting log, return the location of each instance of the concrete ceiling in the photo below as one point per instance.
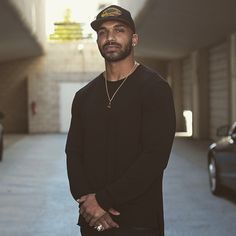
(171, 29)
(168, 29)
(16, 40)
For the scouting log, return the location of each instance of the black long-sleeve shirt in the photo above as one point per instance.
(120, 153)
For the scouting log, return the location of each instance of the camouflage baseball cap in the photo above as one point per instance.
(116, 13)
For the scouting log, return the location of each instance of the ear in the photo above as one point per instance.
(134, 40)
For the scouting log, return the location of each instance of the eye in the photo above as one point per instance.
(101, 32)
(120, 30)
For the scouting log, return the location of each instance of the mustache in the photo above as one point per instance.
(110, 43)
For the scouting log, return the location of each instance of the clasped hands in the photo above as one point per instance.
(94, 215)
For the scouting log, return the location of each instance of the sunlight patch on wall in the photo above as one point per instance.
(188, 116)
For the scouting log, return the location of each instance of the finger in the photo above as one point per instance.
(93, 222)
(84, 215)
(99, 227)
(82, 210)
(104, 224)
(82, 199)
(114, 212)
(96, 220)
(88, 218)
(110, 221)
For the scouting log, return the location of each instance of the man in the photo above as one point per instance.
(120, 138)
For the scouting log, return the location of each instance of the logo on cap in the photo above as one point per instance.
(112, 11)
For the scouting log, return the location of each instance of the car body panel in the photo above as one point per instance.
(1, 135)
(224, 152)
(1, 141)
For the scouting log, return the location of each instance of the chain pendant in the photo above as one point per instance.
(109, 105)
(124, 79)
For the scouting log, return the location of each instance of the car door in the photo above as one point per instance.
(227, 159)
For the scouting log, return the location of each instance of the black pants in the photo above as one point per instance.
(119, 232)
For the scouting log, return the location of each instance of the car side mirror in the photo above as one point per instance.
(233, 136)
(1, 115)
(223, 131)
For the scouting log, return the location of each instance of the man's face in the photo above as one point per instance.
(114, 40)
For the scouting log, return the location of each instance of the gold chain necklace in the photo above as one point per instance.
(125, 78)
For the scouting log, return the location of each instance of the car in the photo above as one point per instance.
(1, 136)
(222, 160)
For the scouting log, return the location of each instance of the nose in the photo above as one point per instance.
(110, 35)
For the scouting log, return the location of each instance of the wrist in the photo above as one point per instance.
(103, 200)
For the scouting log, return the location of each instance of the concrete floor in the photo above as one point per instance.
(34, 194)
(35, 198)
(190, 208)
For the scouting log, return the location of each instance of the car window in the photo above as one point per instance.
(234, 130)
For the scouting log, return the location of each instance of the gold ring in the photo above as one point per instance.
(99, 227)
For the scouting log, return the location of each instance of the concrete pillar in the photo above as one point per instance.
(159, 66)
(200, 93)
(233, 76)
(174, 79)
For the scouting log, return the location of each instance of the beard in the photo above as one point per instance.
(118, 54)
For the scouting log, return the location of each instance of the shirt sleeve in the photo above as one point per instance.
(158, 129)
(77, 178)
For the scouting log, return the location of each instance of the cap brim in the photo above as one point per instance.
(97, 23)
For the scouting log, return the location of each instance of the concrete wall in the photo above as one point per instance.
(219, 87)
(33, 85)
(133, 6)
(65, 62)
(32, 13)
(22, 29)
(155, 64)
(189, 78)
(232, 73)
(174, 78)
(200, 75)
(203, 83)
(14, 95)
